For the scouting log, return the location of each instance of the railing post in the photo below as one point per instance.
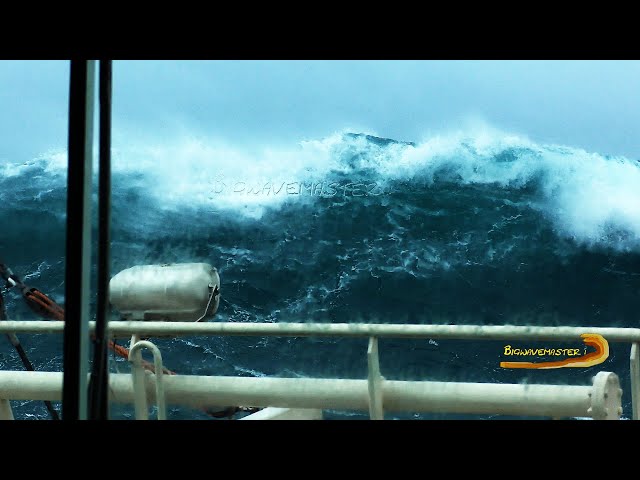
(375, 380)
(635, 379)
(5, 410)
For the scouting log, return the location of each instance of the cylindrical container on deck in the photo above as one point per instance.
(183, 292)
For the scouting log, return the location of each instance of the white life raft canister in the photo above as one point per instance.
(183, 292)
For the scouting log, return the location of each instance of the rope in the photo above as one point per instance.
(13, 339)
(44, 306)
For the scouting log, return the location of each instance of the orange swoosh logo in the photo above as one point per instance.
(588, 360)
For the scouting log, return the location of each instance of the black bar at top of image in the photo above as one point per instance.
(78, 240)
(99, 381)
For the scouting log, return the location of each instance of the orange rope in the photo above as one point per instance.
(50, 309)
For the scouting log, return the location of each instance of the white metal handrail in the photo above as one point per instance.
(599, 401)
(309, 329)
(359, 330)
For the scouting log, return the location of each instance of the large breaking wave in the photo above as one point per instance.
(475, 226)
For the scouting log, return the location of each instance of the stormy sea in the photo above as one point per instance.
(479, 227)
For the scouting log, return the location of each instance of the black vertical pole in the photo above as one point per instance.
(78, 240)
(99, 382)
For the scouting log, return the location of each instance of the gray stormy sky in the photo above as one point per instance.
(590, 104)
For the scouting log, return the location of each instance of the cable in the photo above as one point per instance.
(23, 356)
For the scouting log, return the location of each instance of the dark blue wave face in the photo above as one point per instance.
(453, 231)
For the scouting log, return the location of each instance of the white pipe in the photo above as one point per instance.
(360, 330)
(399, 396)
(136, 355)
(26, 386)
(140, 404)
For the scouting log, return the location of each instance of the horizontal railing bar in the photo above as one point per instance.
(413, 396)
(358, 330)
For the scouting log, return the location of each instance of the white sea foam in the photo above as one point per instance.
(589, 197)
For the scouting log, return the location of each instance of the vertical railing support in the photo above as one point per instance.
(635, 379)
(5, 410)
(376, 411)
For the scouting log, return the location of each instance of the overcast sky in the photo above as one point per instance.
(589, 104)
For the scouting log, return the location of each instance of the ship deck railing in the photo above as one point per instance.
(306, 398)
